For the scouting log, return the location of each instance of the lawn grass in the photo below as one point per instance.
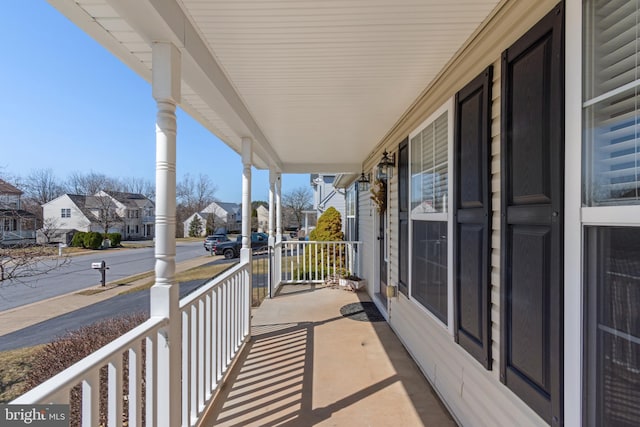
(203, 272)
(14, 367)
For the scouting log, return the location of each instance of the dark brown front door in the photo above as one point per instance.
(532, 155)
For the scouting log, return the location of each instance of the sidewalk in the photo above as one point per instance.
(20, 317)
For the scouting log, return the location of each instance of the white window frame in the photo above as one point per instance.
(447, 216)
(578, 217)
(65, 213)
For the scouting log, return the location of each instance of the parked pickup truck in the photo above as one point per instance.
(232, 249)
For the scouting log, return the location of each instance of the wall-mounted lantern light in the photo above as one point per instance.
(386, 165)
(363, 182)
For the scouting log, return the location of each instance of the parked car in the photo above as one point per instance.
(232, 249)
(213, 239)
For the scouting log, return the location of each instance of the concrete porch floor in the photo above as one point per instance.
(318, 359)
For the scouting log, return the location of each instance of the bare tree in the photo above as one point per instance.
(89, 183)
(138, 185)
(212, 223)
(195, 193)
(107, 211)
(298, 200)
(42, 186)
(23, 262)
(49, 228)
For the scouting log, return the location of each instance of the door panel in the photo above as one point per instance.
(532, 160)
(472, 213)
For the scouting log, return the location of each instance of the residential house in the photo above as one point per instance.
(504, 244)
(17, 226)
(137, 212)
(326, 195)
(225, 215)
(129, 214)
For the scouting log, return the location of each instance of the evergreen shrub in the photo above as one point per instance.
(93, 240)
(115, 239)
(78, 239)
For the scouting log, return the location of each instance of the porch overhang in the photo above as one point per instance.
(316, 86)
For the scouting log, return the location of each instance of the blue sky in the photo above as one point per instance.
(69, 105)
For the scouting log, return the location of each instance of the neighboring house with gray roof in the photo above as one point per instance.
(17, 226)
(225, 215)
(132, 214)
(137, 212)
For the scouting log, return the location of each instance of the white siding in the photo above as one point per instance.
(77, 221)
(393, 225)
(495, 219)
(475, 396)
(366, 223)
(187, 223)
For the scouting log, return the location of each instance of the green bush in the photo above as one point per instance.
(195, 227)
(78, 239)
(115, 239)
(93, 240)
(329, 227)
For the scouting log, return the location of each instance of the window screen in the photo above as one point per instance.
(429, 274)
(612, 333)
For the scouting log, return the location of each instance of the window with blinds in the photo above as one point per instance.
(351, 226)
(429, 168)
(428, 171)
(611, 102)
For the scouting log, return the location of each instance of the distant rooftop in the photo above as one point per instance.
(6, 188)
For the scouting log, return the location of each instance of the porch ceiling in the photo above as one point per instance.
(316, 84)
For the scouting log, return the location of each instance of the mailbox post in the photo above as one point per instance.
(102, 267)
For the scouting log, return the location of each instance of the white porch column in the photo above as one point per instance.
(272, 210)
(164, 293)
(278, 207)
(246, 199)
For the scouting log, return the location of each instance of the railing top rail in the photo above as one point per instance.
(76, 372)
(194, 296)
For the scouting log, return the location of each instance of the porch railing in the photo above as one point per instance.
(215, 324)
(139, 341)
(312, 262)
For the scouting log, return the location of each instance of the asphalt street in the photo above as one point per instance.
(120, 305)
(77, 273)
(44, 332)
